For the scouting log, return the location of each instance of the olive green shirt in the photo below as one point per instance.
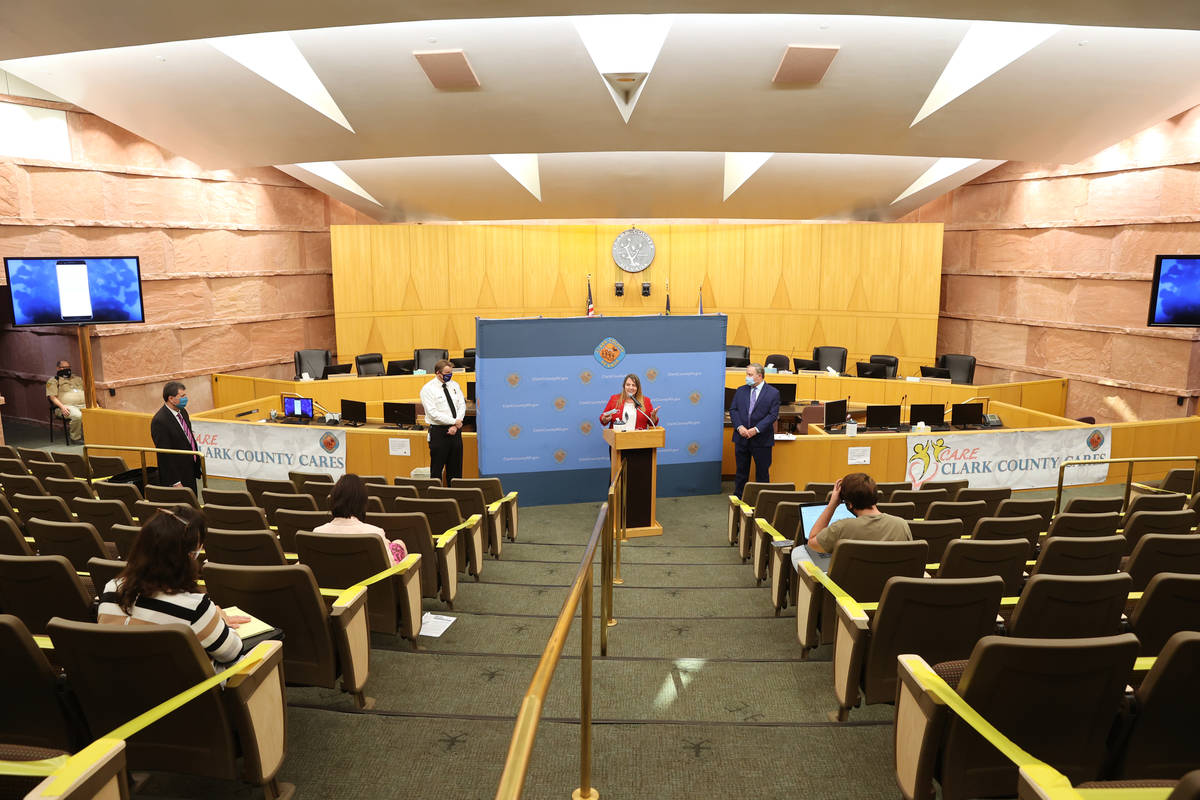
(869, 527)
(69, 391)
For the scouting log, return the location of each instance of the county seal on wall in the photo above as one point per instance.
(633, 250)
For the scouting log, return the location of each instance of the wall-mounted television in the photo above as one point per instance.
(1175, 293)
(75, 291)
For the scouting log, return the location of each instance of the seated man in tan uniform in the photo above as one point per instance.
(857, 490)
(66, 393)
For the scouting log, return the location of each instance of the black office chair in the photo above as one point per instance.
(891, 362)
(829, 356)
(737, 356)
(403, 366)
(426, 358)
(466, 362)
(311, 361)
(961, 367)
(778, 361)
(368, 364)
(469, 352)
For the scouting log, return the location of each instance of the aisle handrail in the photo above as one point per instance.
(520, 748)
(1129, 462)
(143, 450)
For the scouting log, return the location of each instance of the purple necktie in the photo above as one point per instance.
(753, 400)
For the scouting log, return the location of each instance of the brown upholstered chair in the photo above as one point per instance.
(938, 533)
(920, 498)
(1102, 523)
(272, 502)
(127, 493)
(1029, 528)
(123, 536)
(289, 521)
(256, 486)
(1070, 606)
(8, 512)
(298, 479)
(751, 542)
(174, 495)
(784, 527)
(48, 469)
(322, 646)
(886, 489)
(1170, 603)
(232, 732)
(36, 588)
(103, 514)
(471, 502)
(1087, 555)
(422, 485)
(76, 541)
(969, 512)
(13, 466)
(903, 510)
(1141, 523)
(44, 507)
(12, 541)
(35, 714)
(106, 466)
(1160, 552)
(972, 558)
(144, 510)
(103, 570)
(76, 462)
(247, 548)
(951, 487)
(20, 483)
(939, 620)
(340, 560)
(68, 488)
(28, 454)
(1021, 507)
(738, 505)
(387, 492)
(319, 491)
(1172, 501)
(993, 497)
(861, 568)
(495, 496)
(235, 518)
(1093, 505)
(820, 489)
(444, 516)
(228, 497)
(439, 557)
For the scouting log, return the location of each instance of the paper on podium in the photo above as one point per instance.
(785, 437)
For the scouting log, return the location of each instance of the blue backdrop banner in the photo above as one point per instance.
(542, 383)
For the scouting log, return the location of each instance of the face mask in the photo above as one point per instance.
(749, 381)
(64, 373)
(448, 378)
(182, 402)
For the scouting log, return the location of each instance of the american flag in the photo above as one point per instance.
(668, 298)
(701, 311)
(591, 308)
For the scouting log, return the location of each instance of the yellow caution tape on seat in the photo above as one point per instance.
(769, 529)
(839, 594)
(467, 523)
(346, 595)
(510, 497)
(495, 505)
(1144, 663)
(34, 769)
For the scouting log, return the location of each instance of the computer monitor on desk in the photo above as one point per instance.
(354, 412)
(298, 407)
(966, 414)
(932, 414)
(787, 393)
(883, 418)
(835, 414)
(868, 370)
(935, 372)
(336, 369)
(401, 415)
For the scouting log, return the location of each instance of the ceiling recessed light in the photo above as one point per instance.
(1083, 43)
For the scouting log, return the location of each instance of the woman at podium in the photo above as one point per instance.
(630, 410)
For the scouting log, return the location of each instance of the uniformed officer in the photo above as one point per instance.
(66, 393)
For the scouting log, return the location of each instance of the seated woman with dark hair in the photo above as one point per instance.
(159, 585)
(348, 504)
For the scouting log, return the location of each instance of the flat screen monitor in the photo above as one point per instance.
(835, 413)
(729, 393)
(787, 393)
(403, 366)
(809, 514)
(869, 370)
(75, 291)
(966, 414)
(400, 413)
(1175, 292)
(336, 369)
(354, 411)
(935, 372)
(297, 407)
(887, 417)
(930, 413)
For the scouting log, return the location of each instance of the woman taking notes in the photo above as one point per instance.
(630, 410)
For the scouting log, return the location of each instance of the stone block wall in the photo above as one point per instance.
(1047, 269)
(236, 271)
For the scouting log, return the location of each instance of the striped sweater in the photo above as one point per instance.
(197, 611)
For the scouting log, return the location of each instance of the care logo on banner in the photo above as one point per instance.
(1027, 459)
(241, 450)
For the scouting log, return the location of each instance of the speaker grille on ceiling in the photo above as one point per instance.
(447, 69)
(804, 64)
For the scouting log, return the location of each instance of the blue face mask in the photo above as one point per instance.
(182, 401)
(448, 378)
(749, 381)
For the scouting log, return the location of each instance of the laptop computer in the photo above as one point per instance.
(808, 515)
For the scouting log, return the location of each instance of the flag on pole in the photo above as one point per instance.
(668, 298)
(591, 309)
(701, 311)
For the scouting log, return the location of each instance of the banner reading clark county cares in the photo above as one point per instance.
(1020, 459)
(237, 450)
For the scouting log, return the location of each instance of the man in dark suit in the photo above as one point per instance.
(171, 429)
(753, 412)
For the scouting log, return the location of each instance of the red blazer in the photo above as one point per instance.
(617, 403)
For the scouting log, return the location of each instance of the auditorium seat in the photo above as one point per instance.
(13, 466)
(820, 489)
(1082, 555)
(35, 714)
(48, 469)
(340, 560)
(471, 502)
(227, 497)
(368, 364)
(830, 357)
(272, 502)
(174, 495)
(860, 568)
(1070, 606)
(76, 541)
(311, 361)
(1169, 501)
(144, 510)
(388, 492)
(246, 548)
(439, 554)
(38, 588)
(1093, 505)
(951, 487)
(8, 451)
(103, 570)
(778, 361)
(1084, 524)
(937, 532)
(993, 497)
(426, 358)
(1145, 522)
(233, 731)
(1176, 480)
(12, 541)
(764, 508)
(69, 488)
(444, 516)
(127, 493)
(1170, 603)
(972, 558)
(46, 507)
(1015, 507)
(749, 497)
(256, 486)
(103, 514)
(290, 521)
(106, 466)
(493, 493)
(75, 462)
(903, 510)
(28, 454)
(23, 483)
(737, 355)
(323, 648)
(920, 498)
(6, 510)
(422, 484)
(970, 512)
(939, 620)
(235, 518)
(123, 537)
(960, 366)
(886, 489)
(298, 479)
(780, 511)
(890, 362)
(319, 491)
(1160, 552)
(994, 528)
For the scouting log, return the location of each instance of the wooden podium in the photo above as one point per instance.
(639, 449)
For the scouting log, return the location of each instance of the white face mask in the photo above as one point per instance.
(749, 381)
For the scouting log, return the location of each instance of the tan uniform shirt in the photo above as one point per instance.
(69, 391)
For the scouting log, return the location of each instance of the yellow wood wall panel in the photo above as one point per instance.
(879, 268)
(841, 248)
(801, 267)
(920, 287)
(542, 282)
(350, 249)
(428, 284)
(466, 249)
(390, 266)
(396, 330)
(762, 277)
(726, 262)
(689, 263)
(504, 262)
